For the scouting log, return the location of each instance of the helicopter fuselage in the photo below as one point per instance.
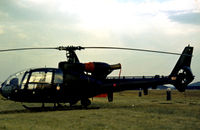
(51, 85)
(73, 81)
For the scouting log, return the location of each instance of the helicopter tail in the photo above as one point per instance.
(182, 75)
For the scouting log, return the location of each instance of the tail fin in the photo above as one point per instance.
(182, 74)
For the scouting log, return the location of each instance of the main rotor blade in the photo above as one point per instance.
(73, 48)
(133, 49)
(60, 48)
(21, 49)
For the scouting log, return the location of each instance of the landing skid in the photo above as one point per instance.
(60, 108)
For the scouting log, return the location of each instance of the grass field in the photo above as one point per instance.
(127, 111)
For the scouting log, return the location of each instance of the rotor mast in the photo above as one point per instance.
(70, 53)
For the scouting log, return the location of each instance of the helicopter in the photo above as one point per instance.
(74, 81)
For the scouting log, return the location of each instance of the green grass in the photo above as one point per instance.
(127, 111)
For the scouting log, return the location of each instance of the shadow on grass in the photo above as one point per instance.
(46, 109)
(66, 108)
(14, 111)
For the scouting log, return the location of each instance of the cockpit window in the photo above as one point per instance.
(24, 80)
(41, 77)
(12, 83)
(58, 78)
(14, 80)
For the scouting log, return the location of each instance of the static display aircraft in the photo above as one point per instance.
(74, 81)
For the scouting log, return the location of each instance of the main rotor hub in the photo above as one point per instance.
(70, 53)
(70, 48)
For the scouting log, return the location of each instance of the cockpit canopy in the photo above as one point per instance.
(14, 80)
(32, 78)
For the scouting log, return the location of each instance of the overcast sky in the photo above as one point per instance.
(167, 25)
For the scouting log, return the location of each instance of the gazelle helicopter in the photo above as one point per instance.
(74, 81)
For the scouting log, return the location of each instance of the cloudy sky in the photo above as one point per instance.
(167, 25)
